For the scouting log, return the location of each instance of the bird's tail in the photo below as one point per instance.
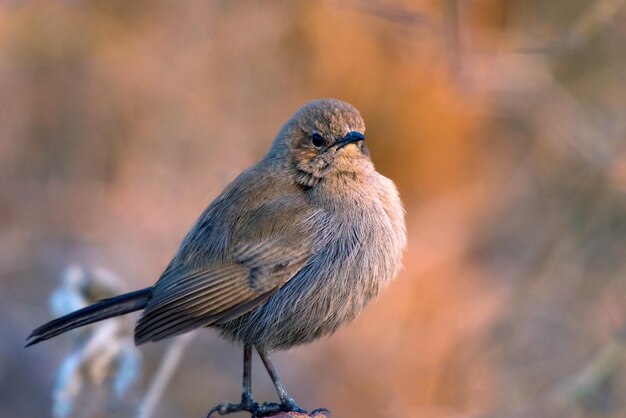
(106, 308)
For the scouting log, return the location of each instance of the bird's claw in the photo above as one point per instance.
(226, 408)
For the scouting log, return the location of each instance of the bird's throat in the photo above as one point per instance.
(305, 179)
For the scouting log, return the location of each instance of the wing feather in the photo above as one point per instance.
(193, 305)
(186, 324)
(187, 283)
(274, 244)
(177, 322)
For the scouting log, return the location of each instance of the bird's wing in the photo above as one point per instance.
(271, 245)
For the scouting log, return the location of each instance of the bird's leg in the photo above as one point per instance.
(247, 402)
(246, 394)
(286, 401)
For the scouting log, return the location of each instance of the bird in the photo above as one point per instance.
(297, 245)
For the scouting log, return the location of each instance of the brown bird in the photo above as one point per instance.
(295, 246)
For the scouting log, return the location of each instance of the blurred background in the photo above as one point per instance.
(503, 123)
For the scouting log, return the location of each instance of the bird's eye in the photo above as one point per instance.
(317, 140)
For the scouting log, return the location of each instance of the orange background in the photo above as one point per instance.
(503, 123)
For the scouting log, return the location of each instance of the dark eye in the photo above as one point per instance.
(317, 140)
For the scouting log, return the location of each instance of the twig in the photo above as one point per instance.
(164, 374)
(603, 365)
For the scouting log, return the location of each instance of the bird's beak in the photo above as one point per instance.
(351, 137)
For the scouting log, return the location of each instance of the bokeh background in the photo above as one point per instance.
(503, 123)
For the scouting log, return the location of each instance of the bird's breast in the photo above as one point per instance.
(358, 255)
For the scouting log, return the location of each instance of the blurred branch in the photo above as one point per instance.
(395, 14)
(453, 38)
(596, 17)
(164, 374)
(601, 367)
(102, 352)
(409, 17)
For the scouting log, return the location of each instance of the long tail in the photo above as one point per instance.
(106, 308)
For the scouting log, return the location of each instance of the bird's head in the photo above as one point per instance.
(324, 138)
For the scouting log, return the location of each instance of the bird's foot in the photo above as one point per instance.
(264, 410)
(267, 409)
(320, 412)
(225, 408)
(289, 405)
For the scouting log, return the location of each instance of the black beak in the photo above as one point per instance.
(351, 137)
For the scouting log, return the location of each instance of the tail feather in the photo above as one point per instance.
(106, 308)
